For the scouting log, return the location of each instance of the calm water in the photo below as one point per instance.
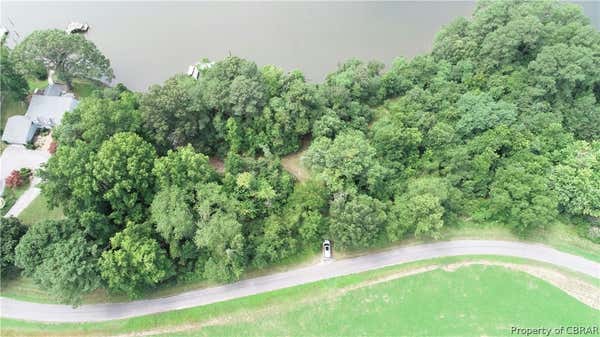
(147, 42)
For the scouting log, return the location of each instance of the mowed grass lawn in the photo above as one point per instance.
(470, 301)
(38, 210)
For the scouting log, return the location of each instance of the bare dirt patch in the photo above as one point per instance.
(217, 164)
(293, 162)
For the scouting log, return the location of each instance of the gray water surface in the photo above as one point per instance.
(147, 42)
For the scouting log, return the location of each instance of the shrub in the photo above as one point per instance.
(14, 179)
(25, 173)
(53, 146)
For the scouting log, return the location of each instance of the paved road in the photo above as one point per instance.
(102, 312)
(25, 199)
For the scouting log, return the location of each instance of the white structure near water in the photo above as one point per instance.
(77, 27)
(195, 69)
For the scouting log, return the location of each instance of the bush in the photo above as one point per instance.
(14, 179)
(53, 146)
(25, 173)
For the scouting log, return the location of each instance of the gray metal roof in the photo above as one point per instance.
(47, 111)
(55, 89)
(18, 130)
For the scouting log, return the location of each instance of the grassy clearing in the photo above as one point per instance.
(38, 210)
(471, 301)
(35, 83)
(84, 88)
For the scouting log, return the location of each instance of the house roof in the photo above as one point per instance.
(47, 111)
(18, 130)
(55, 89)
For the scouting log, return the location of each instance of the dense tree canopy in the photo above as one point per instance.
(11, 231)
(175, 115)
(135, 261)
(498, 124)
(56, 255)
(11, 81)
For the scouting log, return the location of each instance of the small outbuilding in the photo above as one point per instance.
(19, 130)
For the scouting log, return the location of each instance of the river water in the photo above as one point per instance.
(147, 42)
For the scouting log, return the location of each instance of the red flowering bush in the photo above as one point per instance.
(52, 147)
(14, 179)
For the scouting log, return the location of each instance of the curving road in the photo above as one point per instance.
(102, 312)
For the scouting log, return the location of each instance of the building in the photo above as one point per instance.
(47, 111)
(18, 130)
(44, 112)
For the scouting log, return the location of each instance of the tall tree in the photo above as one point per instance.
(520, 194)
(135, 262)
(56, 255)
(11, 231)
(11, 81)
(95, 119)
(175, 116)
(356, 220)
(348, 161)
(184, 168)
(577, 179)
(70, 55)
(122, 171)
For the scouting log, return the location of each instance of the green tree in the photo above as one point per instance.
(11, 231)
(396, 144)
(222, 237)
(576, 179)
(234, 88)
(95, 119)
(348, 161)
(69, 269)
(289, 115)
(56, 255)
(183, 168)
(520, 194)
(70, 55)
(472, 166)
(302, 223)
(174, 219)
(423, 208)
(11, 81)
(354, 80)
(135, 261)
(122, 170)
(479, 112)
(175, 116)
(356, 221)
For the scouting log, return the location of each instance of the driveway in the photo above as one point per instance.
(15, 157)
(25, 199)
(103, 312)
